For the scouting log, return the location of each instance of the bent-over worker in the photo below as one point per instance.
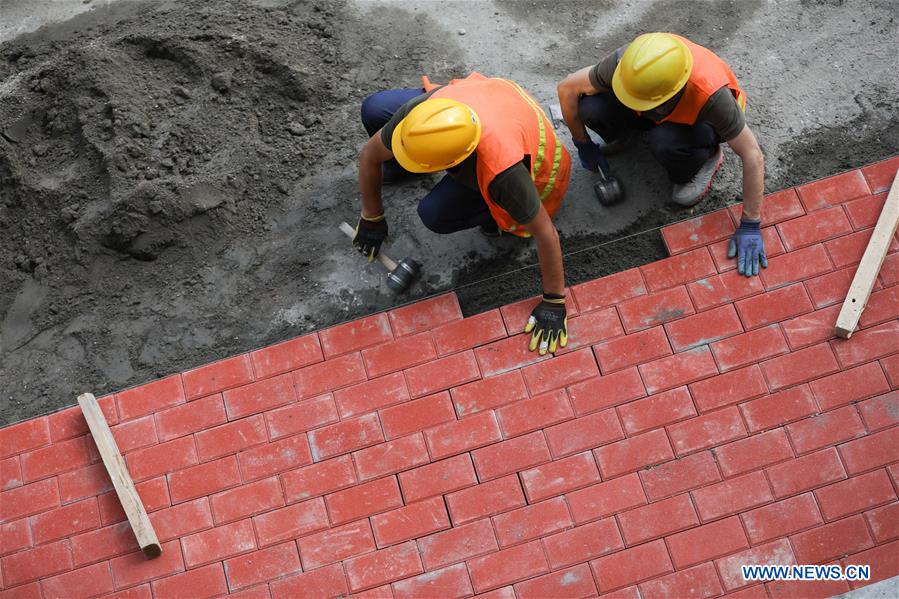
(506, 172)
(689, 101)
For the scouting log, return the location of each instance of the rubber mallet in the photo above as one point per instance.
(608, 189)
(401, 275)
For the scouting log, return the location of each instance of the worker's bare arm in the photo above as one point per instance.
(374, 154)
(549, 252)
(570, 90)
(747, 148)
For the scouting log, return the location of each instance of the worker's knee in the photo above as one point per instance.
(607, 116)
(676, 142)
(379, 107)
(432, 217)
(596, 109)
(666, 142)
(373, 113)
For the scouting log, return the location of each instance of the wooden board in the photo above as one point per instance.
(121, 480)
(863, 282)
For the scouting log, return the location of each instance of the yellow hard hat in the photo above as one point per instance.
(437, 134)
(654, 67)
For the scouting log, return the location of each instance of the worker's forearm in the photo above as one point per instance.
(568, 101)
(549, 253)
(753, 187)
(370, 186)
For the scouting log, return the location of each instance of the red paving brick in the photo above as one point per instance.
(814, 228)
(405, 352)
(796, 266)
(582, 543)
(606, 498)
(260, 396)
(881, 174)
(833, 190)
(681, 475)
(286, 356)
(698, 421)
(831, 288)
(461, 542)
(471, 332)
(864, 212)
(777, 207)
(697, 232)
(631, 566)
(678, 270)
(722, 289)
(410, 521)
(658, 308)
(610, 290)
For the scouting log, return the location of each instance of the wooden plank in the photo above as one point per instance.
(863, 282)
(118, 473)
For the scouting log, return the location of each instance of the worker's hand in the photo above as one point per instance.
(747, 246)
(370, 234)
(591, 156)
(548, 324)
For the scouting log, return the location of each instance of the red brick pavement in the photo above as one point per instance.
(699, 421)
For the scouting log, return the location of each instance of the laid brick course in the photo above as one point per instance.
(699, 420)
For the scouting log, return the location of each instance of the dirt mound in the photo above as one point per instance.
(171, 135)
(131, 141)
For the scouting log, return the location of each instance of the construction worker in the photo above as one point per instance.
(689, 101)
(506, 172)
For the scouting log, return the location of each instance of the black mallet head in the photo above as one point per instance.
(608, 191)
(403, 275)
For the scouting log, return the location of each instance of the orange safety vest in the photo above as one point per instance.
(512, 126)
(709, 74)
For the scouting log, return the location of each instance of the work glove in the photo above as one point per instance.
(548, 324)
(747, 246)
(591, 156)
(370, 234)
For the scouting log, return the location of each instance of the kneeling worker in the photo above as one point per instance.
(506, 172)
(690, 101)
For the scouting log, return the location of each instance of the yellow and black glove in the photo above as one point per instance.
(548, 324)
(370, 234)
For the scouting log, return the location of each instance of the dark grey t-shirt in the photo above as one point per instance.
(513, 189)
(721, 111)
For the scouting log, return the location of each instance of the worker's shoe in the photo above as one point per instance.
(689, 193)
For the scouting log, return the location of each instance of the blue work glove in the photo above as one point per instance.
(747, 246)
(591, 156)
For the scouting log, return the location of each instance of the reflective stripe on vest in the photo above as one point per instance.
(541, 147)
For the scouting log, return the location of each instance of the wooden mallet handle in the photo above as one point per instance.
(382, 257)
